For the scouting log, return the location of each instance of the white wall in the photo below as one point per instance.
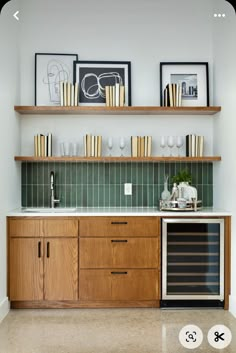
(224, 53)
(144, 32)
(9, 132)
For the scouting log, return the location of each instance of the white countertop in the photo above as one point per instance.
(116, 211)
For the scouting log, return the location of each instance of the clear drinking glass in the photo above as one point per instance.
(179, 143)
(163, 144)
(170, 143)
(122, 145)
(110, 144)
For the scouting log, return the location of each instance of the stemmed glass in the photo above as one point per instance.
(122, 144)
(179, 143)
(170, 143)
(163, 144)
(110, 144)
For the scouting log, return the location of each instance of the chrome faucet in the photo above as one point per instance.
(53, 201)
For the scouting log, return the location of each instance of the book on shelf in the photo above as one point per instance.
(92, 145)
(68, 94)
(194, 145)
(115, 95)
(43, 145)
(172, 95)
(141, 146)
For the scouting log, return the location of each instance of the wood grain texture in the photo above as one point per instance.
(113, 284)
(118, 159)
(119, 253)
(19, 227)
(61, 269)
(46, 304)
(58, 227)
(119, 226)
(26, 269)
(102, 110)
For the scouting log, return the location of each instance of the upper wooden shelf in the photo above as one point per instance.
(117, 159)
(102, 110)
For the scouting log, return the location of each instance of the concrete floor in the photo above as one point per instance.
(107, 330)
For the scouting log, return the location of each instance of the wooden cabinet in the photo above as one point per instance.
(119, 259)
(43, 259)
(26, 269)
(61, 269)
(125, 285)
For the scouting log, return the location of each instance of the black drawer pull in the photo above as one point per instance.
(119, 222)
(119, 273)
(119, 241)
(39, 249)
(48, 249)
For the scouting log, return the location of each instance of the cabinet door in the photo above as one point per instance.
(61, 269)
(116, 284)
(26, 269)
(119, 253)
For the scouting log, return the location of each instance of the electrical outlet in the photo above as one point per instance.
(128, 188)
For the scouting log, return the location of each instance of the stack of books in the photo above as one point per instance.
(141, 146)
(172, 95)
(115, 95)
(92, 146)
(43, 145)
(194, 145)
(69, 94)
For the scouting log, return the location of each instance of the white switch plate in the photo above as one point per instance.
(128, 188)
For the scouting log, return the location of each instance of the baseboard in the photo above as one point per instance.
(4, 308)
(232, 304)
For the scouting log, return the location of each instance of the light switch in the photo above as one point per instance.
(128, 188)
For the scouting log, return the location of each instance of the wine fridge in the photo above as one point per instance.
(192, 261)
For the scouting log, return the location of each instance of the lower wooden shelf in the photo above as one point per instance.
(117, 159)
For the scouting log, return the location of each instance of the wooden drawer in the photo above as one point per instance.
(119, 226)
(118, 285)
(60, 227)
(119, 253)
(24, 227)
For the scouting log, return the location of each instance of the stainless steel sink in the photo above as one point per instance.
(49, 210)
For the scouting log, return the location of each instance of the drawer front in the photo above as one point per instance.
(118, 285)
(119, 226)
(24, 227)
(119, 253)
(60, 227)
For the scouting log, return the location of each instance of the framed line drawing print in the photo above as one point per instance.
(93, 76)
(192, 77)
(50, 70)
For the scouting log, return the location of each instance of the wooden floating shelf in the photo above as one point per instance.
(102, 110)
(117, 159)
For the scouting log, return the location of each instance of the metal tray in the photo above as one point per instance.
(174, 206)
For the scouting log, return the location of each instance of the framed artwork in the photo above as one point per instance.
(93, 76)
(50, 70)
(192, 78)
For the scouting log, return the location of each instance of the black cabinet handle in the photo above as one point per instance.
(48, 249)
(119, 273)
(119, 241)
(39, 249)
(119, 222)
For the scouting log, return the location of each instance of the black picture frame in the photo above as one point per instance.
(200, 73)
(50, 69)
(92, 92)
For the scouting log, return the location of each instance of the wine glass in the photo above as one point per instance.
(163, 144)
(122, 144)
(170, 143)
(179, 143)
(110, 144)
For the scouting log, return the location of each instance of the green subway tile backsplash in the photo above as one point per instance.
(94, 184)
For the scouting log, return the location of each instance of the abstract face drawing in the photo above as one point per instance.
(56, 72)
